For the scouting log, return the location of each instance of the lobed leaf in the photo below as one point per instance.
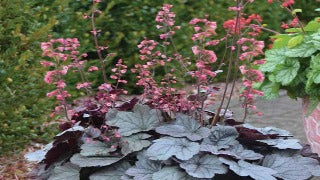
(166, 147)
(303, 50)
(95, 148)
(283, 143)
(274, 57)
(39, 155)
(144, 168)
(67, 171)
(221, 137)
(239, 152)
(135, 143)
(206, 166)
(292, 168)
(286, 72)
(184, 126)
(243, 168)
(171, 173)
(116, 172)
(141, 119)
(83, 161)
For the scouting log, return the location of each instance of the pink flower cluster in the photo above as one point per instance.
(161, 96)
(60, 50)
(165, 16)
(164, 96)
(119, 71)
(250, 48)
(108, 93)
(165, 20)
(203, 28)
(230, 25)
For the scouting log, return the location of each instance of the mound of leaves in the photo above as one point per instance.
(139, 145)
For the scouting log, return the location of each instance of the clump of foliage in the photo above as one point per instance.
(139, 144)
(166, 133)
(293, 63)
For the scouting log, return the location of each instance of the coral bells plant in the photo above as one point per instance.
(167, 133)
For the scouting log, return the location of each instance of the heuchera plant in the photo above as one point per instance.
(167, 133)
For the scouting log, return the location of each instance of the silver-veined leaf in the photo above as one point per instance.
(171, 173)
(166, 147)
(292, 167)
(283, 143)
(185, 126)
(116, 172)
(243, 168)
(144, 168)
(135, 142)
(39, 155)
(83, 161)
(67, 171)
(95, 148)
(206, 166)
(221, 137)
(141, 119)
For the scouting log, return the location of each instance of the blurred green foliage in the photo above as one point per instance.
(124, 23)
(23, 106)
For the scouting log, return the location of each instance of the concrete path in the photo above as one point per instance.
(282, 112)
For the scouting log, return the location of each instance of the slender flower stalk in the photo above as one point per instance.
(99, 48)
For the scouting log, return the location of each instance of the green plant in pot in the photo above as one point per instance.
(166, 133)
(293, 64)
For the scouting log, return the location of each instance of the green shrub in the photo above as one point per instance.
(23, 106)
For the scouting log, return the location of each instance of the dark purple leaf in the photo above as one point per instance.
(71, 133)
(65, 126)
(60, 149)
(90, 115)
(232, 122)
(128, 106)
(250, 136)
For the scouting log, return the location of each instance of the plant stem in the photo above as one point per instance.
(95, 38)
(216, 118)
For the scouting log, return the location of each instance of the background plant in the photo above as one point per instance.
(292, 64)
(23, 106)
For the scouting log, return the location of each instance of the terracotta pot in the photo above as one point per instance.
(312, 125)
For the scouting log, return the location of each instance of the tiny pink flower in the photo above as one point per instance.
(93, 68)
